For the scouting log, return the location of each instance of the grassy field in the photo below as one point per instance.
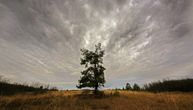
(74, 100)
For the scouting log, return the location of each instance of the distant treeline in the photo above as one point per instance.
(7, 88)
(184, 85)
(135, 87)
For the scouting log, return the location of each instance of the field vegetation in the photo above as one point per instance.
(106, 100)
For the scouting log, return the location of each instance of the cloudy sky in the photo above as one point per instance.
(144, 40)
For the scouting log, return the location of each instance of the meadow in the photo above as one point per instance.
(110, 100)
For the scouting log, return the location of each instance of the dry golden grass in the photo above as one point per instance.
(73, 100)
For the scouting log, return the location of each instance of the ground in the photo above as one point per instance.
(75, 100)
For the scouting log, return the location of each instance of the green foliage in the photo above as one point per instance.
(93, 75)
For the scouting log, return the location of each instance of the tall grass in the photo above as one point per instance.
(73, 100)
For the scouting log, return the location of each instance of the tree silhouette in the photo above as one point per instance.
(136, 87)
(93, 75)
(128, 86)
(184, 85)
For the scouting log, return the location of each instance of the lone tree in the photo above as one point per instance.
(93, 75)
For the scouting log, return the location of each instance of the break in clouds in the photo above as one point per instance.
(144, 40)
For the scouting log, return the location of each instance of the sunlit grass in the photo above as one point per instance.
(73, 100)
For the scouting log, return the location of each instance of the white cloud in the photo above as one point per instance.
(142, 39)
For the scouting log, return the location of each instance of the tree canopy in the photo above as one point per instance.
(93, 75)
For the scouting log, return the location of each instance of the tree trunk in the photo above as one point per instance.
(96, 89)
(95, 77)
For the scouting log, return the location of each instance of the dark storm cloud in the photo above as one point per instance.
(144, 40)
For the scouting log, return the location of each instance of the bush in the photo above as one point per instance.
(116, 93)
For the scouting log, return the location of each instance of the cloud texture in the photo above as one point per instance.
(145, 40)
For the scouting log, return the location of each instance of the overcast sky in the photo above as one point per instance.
(144, 40)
